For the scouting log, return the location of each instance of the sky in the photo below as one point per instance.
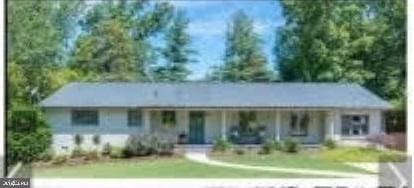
(207, 27)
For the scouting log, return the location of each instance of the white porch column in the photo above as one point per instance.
(330, 125)
(277, 125)
(147, 121)
(223, 124)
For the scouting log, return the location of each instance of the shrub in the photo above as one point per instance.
(147, 145)
(273, 144)
(77, 152)
(60, 159)
(106, 150)
(137, 146)
(221, 145)
(46, 155)
(78, 139)
(240, 151)
(96, 139)
(28, 135)
(266, 148)
(330, 144)
(117, 153)
(165, 148)
(290, 146)
(92, 155)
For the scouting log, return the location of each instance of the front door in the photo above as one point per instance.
(196, 129)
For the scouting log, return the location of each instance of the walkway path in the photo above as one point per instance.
(201, 157)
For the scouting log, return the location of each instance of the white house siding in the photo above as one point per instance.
(267, 119)
(170, 133)
(112, 128)
(374, 125)
(315, 128)
(212, 127)
(213, 123)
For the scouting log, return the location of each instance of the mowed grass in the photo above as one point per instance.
(322, 159)
(179, 167)
(353, 154)
(154, 168)
(302, 160)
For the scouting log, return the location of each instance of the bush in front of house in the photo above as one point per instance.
(269, 146)
(106, 150)
(59, 159)
(77, 152)
(137, 145)
(221, 145)
(165, 148)
(78, 139)
(92, 155)
(330, 144)
(117, 153)
(291, 146)
(266, 149)
(96, 140)
(240, 151)
(28, 135)
(46, 155)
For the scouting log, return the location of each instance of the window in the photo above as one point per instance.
(354, 125)
(168, 118)
(134, 117)
(299, 122)
(246, 119)
(84, 117)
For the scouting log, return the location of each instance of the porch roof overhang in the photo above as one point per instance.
(216, 95)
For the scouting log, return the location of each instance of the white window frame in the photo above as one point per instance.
(356, 129)
(77, 123)
(297, 128)
(129, 118)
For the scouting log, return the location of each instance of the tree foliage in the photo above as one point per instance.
(346, 41)
(37, 32)
(243, 59)
(176, 53)
(28, 135)
(107, 51)
(115, 43)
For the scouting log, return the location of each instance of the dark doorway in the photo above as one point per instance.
(196, 129)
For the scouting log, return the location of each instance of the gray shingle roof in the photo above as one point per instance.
(199, 94)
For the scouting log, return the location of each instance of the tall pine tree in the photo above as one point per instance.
(244, 59)
(176, 53)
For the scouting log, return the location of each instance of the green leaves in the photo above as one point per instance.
(37, 36)
(345, 41)
(115, 44)
(176, 53)
(244, 59)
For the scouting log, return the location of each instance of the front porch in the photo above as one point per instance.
(240, 126)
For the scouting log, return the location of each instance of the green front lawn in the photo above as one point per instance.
(153, 168)
(322, 159)
(179, 167)
(352, 154)
(302, 160)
